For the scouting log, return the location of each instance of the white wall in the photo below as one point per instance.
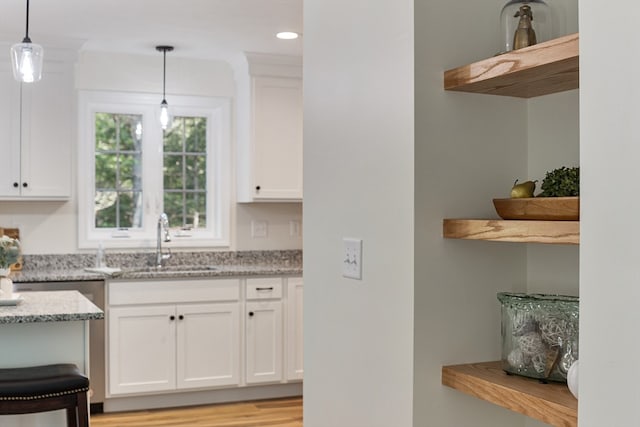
(51, 227)
(554, 141)
(358, 178)
(469, 150)
(609, 249)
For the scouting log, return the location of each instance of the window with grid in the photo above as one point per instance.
(118, 170)
(133, 171)
(185, 172)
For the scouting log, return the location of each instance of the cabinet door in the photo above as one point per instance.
(47, 134)
(264, 341)
(9, 132)
(142, 349)
(208, 339)
(277, 138)
(294, 328)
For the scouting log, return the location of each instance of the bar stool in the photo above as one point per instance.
(45, 388)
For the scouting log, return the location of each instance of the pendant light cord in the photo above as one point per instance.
(164, 73)
(26, 35)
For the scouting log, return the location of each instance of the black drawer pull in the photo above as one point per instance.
(251, 314)
(270, 288)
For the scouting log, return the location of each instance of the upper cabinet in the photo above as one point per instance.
(536, 70)
(269, 128)
(37, 132)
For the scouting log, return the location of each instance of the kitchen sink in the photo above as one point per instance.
(170, 268)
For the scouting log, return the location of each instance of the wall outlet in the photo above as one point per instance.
(294, 228)
(352, 258)
(259, 229)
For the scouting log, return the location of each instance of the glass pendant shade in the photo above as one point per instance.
(526, 23)
(165, 117)
(26, 59)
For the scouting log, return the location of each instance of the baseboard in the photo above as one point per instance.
(170, 400)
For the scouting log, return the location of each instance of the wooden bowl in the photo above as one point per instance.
(539, 208)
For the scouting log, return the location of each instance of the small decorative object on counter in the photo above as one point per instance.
(539, 335)
(9, 254)
(525, 23)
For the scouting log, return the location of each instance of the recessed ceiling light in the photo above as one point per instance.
(287, 35)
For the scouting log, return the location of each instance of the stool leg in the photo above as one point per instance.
(83, 410)
(72, 417)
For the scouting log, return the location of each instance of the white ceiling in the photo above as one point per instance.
(212, 29)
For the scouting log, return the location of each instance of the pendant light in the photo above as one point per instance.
(165, 118)
(26, 58)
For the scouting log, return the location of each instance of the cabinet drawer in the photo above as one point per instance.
(264, 288)
(173, 291)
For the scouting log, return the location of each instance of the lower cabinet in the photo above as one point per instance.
(294, 328)
(264, 333)
(208, 345)
(167, 336)
(142, 349)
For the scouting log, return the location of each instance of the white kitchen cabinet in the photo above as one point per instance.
(171, 335)
(156, 345)
(270, 129)
(37, 122)
(208, 345)
(264, 336)
(142, 349)
(294, 328)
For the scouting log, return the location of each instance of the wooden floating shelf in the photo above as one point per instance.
(551, 403)
(541, 69)
(553, 232)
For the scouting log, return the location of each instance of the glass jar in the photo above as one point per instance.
(525, 23)
(539, 334)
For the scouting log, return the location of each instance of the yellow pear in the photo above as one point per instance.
(524, 189)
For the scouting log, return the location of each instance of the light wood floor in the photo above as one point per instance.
(272, 413)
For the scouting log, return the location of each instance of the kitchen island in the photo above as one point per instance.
(45, 328)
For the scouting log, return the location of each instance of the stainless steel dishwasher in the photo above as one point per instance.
(94, 291)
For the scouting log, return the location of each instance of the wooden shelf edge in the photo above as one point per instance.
(537, 70)
(551, 403)
(551, 232)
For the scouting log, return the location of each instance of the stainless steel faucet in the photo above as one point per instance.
(163, 225)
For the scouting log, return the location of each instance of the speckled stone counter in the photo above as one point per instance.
(58, 268)
(55, 306)
(46, 328)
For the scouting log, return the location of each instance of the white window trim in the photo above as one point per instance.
(217, 111)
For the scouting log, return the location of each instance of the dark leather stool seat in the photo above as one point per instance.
(45, 388)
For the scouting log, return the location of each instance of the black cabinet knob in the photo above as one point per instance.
(251, 314)
(181, 317)
(15, 184)
(25, 185)
(172, 317)
(257, 188)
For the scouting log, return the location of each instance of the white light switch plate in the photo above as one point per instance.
(352, 258)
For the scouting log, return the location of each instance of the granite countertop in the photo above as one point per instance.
(53, 306)
(60, 268)
(54, 275)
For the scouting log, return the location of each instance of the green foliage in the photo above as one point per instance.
(561, 182)
(118, 171)
(9, 251)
